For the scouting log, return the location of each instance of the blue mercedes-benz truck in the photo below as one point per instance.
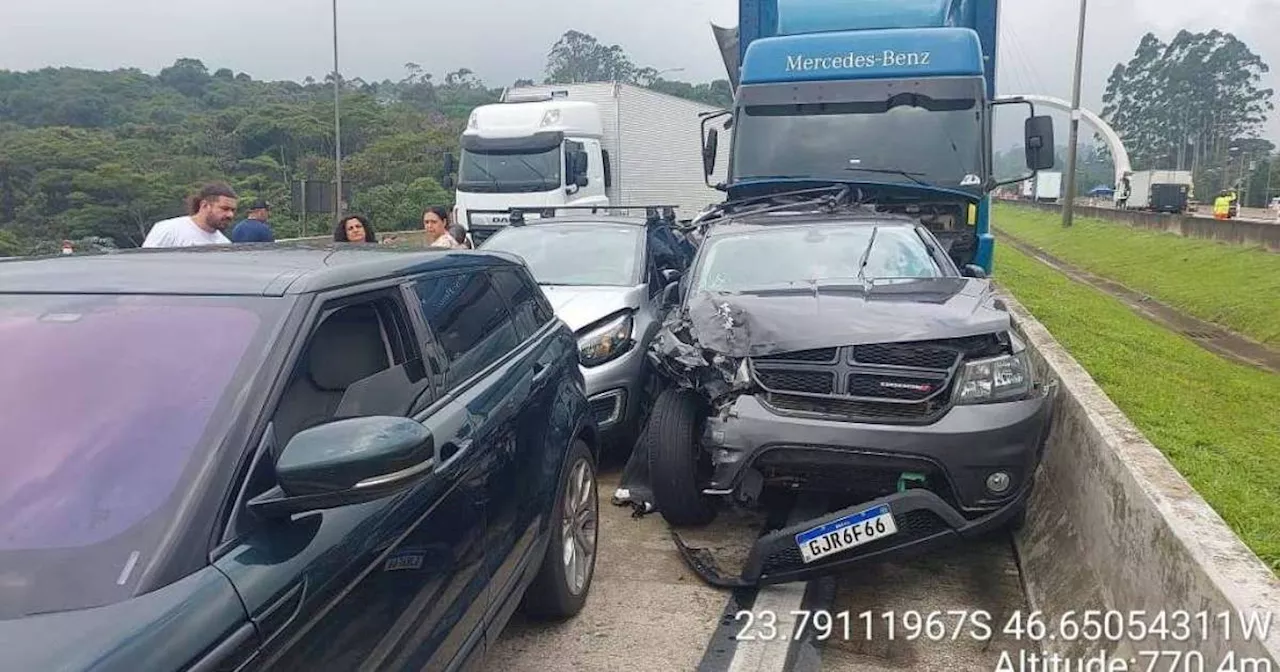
(894, 97)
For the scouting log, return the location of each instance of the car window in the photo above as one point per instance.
(111, 406)
(576, 254)
(794, 256)
(469, 319)
(530, 314)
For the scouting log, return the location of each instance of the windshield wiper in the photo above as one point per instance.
(866, 256)
(893, 171)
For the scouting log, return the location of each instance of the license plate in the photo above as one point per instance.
(843, 534)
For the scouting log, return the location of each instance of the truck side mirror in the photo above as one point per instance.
(709, 146)
(449, 183)
(450, 165)
(1038, 141)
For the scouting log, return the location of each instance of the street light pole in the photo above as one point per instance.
(1068, 206)
(337, 119)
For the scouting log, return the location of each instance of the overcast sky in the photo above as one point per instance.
(503, 40)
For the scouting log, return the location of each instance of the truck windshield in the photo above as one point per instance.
(935, 142)
(111, 405)
(509, 172)
(822, 254)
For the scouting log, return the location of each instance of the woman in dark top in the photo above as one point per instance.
(354, 229)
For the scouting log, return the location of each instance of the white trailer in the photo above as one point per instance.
(636, 147)
(1159, 190)
(1048, 186)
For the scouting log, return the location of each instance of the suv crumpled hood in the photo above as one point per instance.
(749, 325)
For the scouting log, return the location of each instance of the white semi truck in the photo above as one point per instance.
(579, 145)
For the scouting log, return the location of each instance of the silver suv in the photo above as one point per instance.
(612, 279)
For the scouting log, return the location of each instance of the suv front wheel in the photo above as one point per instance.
(672, 444)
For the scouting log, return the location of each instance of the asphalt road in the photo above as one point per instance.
(648, 612)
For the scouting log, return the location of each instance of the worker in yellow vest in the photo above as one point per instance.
(1221, 207)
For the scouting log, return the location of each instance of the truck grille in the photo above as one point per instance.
(881, 382)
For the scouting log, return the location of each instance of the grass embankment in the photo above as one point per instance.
(1218, 422)
(1234, 286)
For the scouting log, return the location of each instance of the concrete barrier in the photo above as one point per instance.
(1112, 526)
(1240, 232)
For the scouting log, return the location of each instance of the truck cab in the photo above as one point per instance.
(528, 151)
(895, 97)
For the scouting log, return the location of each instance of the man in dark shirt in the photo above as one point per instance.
(254, 229)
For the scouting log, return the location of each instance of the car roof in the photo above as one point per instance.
(265, 269)
(583, 220)
(733, 225)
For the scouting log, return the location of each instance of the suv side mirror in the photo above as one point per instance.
(347, 462)
(1038, 140)
(974, 271)
(709, 147)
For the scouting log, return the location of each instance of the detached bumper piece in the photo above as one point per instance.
(903, 524)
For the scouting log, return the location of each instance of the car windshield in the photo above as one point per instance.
(601, 254)
(110, 405)
(935, 142)
(804, 256)
(507, 172)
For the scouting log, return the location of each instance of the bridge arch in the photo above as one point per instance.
(1118, 153)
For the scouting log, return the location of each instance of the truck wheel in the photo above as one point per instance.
(560, 588)
(673, 450)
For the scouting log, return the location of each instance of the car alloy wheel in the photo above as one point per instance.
(578, 526)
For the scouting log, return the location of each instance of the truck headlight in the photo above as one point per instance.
(995, 379)
(607, 342)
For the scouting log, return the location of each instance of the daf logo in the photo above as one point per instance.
(915, 387)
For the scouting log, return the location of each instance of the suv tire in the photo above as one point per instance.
(672, 445)
(560, 588)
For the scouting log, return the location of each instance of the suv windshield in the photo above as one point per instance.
(803, 256)
(601, 254)
(936, 142)
(509, 172)
(110, 405)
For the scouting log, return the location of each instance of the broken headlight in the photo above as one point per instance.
(606, 342)
(995, 379)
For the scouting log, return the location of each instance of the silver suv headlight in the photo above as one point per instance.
(995, 379)
(607, 342)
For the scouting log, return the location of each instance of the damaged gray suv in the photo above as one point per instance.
(840, 351)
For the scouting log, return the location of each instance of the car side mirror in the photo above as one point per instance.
(670, 275)
(974, 271)
(347, 462)
(709, 147)
(1038, 140)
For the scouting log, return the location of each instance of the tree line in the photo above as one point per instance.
(1195, 103)
(98, 156)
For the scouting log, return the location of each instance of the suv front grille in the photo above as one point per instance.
(880, 382)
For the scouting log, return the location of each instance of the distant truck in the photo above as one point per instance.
(578, 144)
(1158, 191)
(1048, 187)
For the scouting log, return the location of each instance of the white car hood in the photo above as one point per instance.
(581, 306)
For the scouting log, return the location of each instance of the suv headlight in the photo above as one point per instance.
(995, 379)
(607, 342)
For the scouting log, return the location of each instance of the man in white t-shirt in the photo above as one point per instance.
(209, 213)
